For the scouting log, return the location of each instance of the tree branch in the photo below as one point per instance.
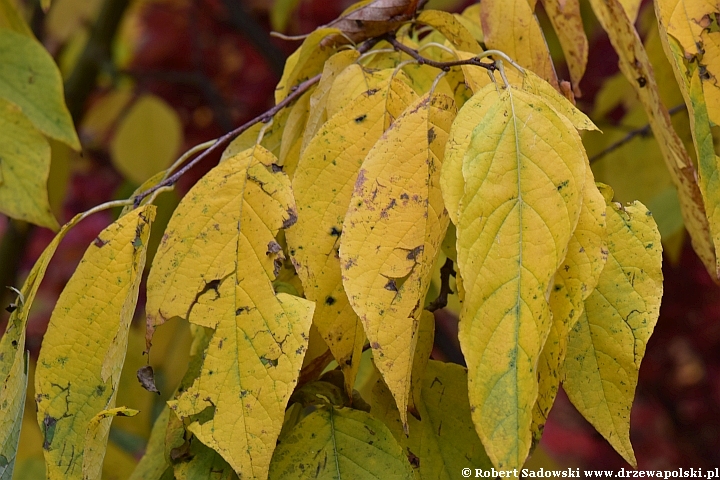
(644, 131)
(444, 66)
(442, 299)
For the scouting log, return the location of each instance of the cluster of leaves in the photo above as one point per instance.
(319, 234)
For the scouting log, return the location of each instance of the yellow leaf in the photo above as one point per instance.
(470, 17)
(524, 174)
(95, 438)
(30, 80)
(423, 349)
(567, 23)
(511, 26)
(451, 28)
(607, 344)
(422, 78)
(318, 100)
(292, 134)
(83, 350)
(353, 82)
(24, 169)
(11, 19)
(442, 437)
(305, 62)
(147, 139)
(392, 234)
(636, 67)
(323, 187)
(223, 279)
(339, 443)
(12, 395)
(574, 281)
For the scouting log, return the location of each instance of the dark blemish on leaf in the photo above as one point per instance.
(563, 185)
(649, 245)
(360, 119)
(390, 285)
(146, 377)
(14, 343)
(375, 345)
(329, 300)
(372, 91)
(404, 196)
(273, 247)
(350, 263)
(371, 431)
(99, 242)
(359, 23)
(413, 459)
(99, 390)
(348, 362)
(567, 267)
(277, 265)
(276, 168)
(241, 310)
(269, 361)
(390, 206)
(49, 424)
(431, 134)
(335, 232)
(648, 213)
(413, 254)
(642, 81)
(291, 220)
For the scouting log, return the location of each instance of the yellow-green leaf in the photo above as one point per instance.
(147, 139)
(292, 134)
(442, 437)
(608, 342)
(10, 18)
(30, 80)
(423, 349)
(567, 23)
(220, 251)
(12, 395)
(323, 187)
(524, 174)
(354, 81)
(96, 437)
(392, 234)
(24, 169)
(83, 350)
(511, 26)
(636, 67)
(339, 443)
(153, 463)
(574, 281)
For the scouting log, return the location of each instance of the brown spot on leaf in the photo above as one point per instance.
(390, 285)
(99, 242)
(273, 247)
(413, 254)
(291, 220)
(146, 377)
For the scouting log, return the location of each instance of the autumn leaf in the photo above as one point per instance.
(521, 202)
(373, 18)
(608, 342)
(392, 234)
(83, 350)
(567, 23)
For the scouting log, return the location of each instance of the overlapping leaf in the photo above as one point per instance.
(83, 350)
(567, 23)
(524, 174)
(324, 185)
(608, 342)
(339, 443)
(636, 67)
(392, 234)
(252, 362)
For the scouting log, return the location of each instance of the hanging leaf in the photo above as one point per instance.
(339, 443)
(574, 281)
(442, 436)
(138, 152)
(252, 362)
(83, 350)
(392, 234)
(451, 28)
(30, 80)
(373, 18)
(567, 23)
(24, 169)
(511, 26)
(608, 342)
(324, 185)
(634, 64)
(524, 173)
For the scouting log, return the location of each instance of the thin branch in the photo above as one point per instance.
(444, 66)
(644, 131)
(442, 299)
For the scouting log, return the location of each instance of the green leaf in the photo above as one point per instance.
(10, 18)
(524, 173)
(147, 139)
(83, 350)
(339, 443)
(30, 80)
(608, 342)
(442, 436)
(24, 169)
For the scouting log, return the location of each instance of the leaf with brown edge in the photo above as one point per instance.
(567, 23)
(373, 18)
(392, 234)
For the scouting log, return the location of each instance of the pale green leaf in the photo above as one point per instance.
(24, 169)
(83, 350)
(608, 343)
(30, 80)
(339, 443)
(12, 395)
